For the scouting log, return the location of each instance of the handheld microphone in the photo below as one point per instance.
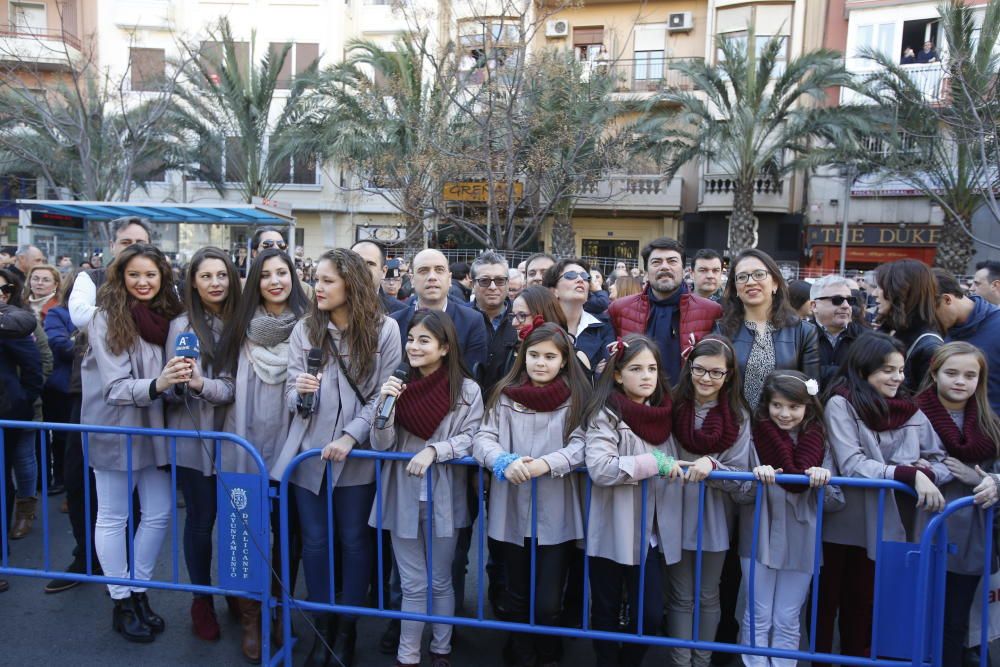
(186, 346)
(313, 361)
(385, 411)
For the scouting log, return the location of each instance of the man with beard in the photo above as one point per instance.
(665, 311)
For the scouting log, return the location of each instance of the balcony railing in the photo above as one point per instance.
(631, 192)
(930, 80)
(769, 194)
(42, 34)
(648, 75)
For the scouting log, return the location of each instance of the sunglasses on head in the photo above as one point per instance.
(270, 243)
(839, 300)
(7, 289)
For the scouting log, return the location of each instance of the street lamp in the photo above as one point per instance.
(850, 173)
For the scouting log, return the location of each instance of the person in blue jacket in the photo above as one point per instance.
(431, 281)
(974, 320)
(569, 280)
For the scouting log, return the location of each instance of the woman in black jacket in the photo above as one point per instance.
(905, 297)
(767, 333)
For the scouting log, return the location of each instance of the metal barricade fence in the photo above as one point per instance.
(237, 492)
(916, 656)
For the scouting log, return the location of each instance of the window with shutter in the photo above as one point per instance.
(148, 69)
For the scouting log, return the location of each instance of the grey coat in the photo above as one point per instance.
(787, 535)
(204, 411)
(513, 428)
(860, 452)
(259, 416)
(116, 393)
(402, 493)
(613, 526)
(720, 510)
(338, 410)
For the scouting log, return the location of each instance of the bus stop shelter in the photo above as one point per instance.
(64, 227)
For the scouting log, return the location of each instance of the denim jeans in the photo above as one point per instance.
(25, 463)
(352, 537)
(200, 497)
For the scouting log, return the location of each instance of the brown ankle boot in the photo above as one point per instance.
(24, 514)
(250, 620)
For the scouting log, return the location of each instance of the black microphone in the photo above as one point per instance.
(186, 346)
(313, 361)
(384, 412)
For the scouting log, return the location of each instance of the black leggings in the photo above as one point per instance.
(551, 565)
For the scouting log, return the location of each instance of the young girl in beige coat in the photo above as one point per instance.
(531, 431)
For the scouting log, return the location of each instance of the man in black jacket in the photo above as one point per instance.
(490, 285)
(832, 306)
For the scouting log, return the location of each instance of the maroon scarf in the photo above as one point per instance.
(652, 423)
(970, 445)
(425, 403)
(152, 326)
(539, 399)
(776, 448)
(900, 411)
(717, 433)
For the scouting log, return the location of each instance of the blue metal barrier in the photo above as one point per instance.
(641, 637)
(255, 589)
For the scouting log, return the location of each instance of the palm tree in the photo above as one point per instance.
(942, 139)
(756, 120)
(224, 117)
(380, 113)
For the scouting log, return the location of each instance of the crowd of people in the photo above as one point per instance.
(535, 371)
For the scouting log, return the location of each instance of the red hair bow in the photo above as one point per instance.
(617, 346)
(526, 330)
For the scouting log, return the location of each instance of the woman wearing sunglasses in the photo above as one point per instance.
(833, 308)
(767, 333)
(569, 280)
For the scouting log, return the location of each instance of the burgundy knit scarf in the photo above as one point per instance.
(539, 399)
(900, 411)
(425, 403)
(717, 433)
(652, 423)
(152, 326)
(776, 448)
(970, 445)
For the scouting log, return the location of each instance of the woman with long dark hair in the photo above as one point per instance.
(211, 296)
(124, 375)
(360, 347)
(875, 431)
(766, 332)
(254, 349)
(906, 297)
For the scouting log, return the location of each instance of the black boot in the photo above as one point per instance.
(146, 613)
(323, 637)
(128, 624)
(347, 637)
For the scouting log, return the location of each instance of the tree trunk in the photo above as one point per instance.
(956, 248)
(742, 222)
(563, 236)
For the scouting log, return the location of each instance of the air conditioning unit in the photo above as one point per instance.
(680, 22)
(557, 28)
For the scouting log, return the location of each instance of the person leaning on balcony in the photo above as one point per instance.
(928, 54)
(766, 332)
(665, 311)
(909, 57)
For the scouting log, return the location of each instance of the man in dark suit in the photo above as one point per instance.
(431, 280)
(374, 257)
(490, 285)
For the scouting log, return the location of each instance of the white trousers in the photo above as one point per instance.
(777, 604)
(411, 559)
(112, 524)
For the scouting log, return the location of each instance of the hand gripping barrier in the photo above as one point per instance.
(882, 608)
(254, 488)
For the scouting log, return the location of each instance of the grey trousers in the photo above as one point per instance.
(411, 560)
(681, 588)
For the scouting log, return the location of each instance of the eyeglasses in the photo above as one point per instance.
(758, 276)
(269, 243)
(486, 282)
(521, 317)
(839, 300)
(715, 373)
(573, 275)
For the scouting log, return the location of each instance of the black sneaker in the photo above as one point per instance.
(76, 567)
